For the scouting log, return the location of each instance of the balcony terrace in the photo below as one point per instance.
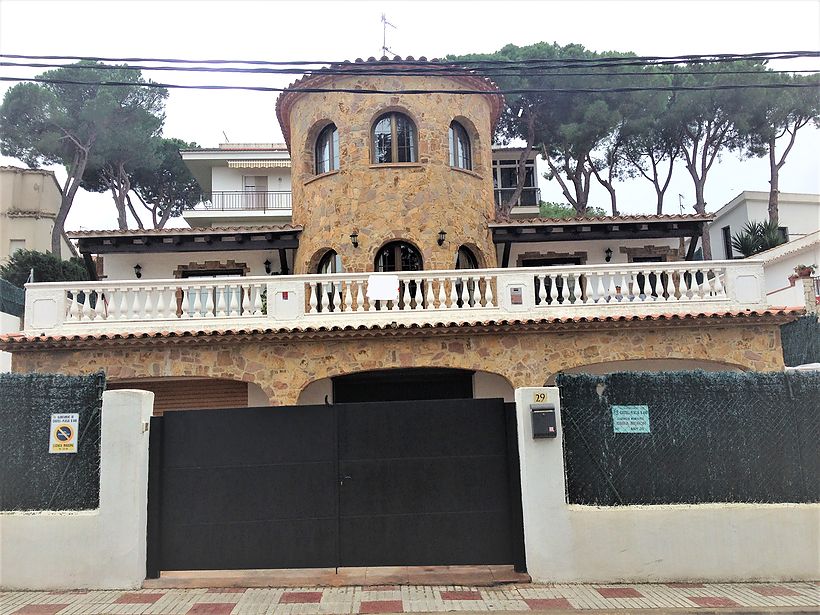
(382, 299)
(248, 206)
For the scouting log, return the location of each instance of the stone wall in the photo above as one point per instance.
(283, 368)
(386, 202)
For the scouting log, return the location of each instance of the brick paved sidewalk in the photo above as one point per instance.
(801, 597)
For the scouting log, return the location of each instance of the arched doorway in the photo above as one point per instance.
(403, 385)
(398, 256)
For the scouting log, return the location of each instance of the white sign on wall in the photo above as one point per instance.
(383, 287)
(63, 434)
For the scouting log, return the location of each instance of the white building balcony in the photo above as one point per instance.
(240, 207)
(411, 298)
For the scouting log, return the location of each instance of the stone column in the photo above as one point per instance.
(810, 296)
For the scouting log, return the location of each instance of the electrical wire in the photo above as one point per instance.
(670, 88)
(686, 58)
(409, 73)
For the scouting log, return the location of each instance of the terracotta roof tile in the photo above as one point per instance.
(211, 230)
(20, 341)
(626, 218)
(317, 79)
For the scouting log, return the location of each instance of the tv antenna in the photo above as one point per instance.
(385, 48)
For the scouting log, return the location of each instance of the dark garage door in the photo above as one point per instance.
(367, 484)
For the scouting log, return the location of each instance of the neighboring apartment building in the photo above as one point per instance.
(798, 215)
(29, 202)
(799, 220)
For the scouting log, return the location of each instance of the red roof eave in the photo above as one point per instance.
(21, 342)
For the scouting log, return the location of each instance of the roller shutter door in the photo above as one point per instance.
(190, 394)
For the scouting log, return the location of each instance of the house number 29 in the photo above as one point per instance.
(540, 397)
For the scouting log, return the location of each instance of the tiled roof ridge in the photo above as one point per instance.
(599, 219)
(22, 341)
(186, 231)
(285, 100)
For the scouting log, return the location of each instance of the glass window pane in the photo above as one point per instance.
(406, 139)
(327, 148)
(383, 141)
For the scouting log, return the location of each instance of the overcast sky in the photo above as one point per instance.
(199, 29)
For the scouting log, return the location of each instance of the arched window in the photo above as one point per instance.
(398, 256)
(394, 139)
(326, 293)
(465, 259)
(327, 150)
(330, 263)
(461, 155)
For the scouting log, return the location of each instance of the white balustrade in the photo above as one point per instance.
(422, 297)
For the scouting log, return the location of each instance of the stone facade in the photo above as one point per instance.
(283, 368)
(385, 202)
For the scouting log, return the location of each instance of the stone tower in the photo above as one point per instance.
(413, 196)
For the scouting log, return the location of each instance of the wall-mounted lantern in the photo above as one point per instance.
(442, 235)
(608, 254)
(354, 239)
(138, 270)
(267, 264)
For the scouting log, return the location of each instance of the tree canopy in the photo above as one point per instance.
(610, 136)
(82, 127)
(167, 188)
(47, 268)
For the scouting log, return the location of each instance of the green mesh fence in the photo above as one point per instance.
(12, 299)
(713, 437)
(31, 478)
(801, 341)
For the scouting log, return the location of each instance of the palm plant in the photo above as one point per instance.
(757, 237)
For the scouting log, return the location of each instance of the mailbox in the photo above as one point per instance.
(543, 421)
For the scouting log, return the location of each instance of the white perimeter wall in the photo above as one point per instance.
(8, 324)
(103, 548)
(778, 289)
(715, 542)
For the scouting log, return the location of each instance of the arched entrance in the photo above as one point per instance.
(398, 256)
(403, 385)
(407, 384)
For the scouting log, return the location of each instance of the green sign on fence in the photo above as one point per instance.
(630, 419)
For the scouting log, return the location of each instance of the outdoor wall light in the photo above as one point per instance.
(267, 265)
(138, 270)
(354, 239)
(608, 254)
(442, 235)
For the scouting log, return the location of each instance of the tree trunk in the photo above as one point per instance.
(72, 183)
(503, 209)
(774, 183)
(612, 200)
(59, 224)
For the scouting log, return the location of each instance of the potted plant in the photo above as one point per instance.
(805, 271)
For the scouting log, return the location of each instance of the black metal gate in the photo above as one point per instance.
(365, 484)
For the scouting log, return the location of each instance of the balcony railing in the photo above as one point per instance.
(530, 197)
(245, 201)
(414, 297)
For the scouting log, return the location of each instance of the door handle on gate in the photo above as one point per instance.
(344, 478)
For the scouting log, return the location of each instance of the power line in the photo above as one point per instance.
(682, 59)
(390, 72)
(671, 88)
